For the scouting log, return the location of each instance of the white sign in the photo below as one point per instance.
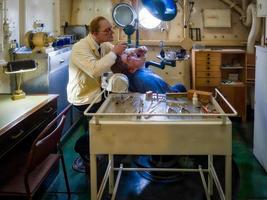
(217, 18)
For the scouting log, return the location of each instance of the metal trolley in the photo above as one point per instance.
(133, 124)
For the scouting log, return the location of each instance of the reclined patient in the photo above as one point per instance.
(141, 79)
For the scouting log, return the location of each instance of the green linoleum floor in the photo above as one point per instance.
(253, 178)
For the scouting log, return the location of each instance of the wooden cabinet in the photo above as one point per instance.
(206, 70)
(23, 119)
(222, 69)
(250, 70)
(20, 123)
(236, 95)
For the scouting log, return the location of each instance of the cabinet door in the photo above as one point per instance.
(261, 8)
(236, 95)
(260, 125)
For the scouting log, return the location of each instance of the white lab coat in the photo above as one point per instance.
(85, 69)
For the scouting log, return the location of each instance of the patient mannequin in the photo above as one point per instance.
(141, 79)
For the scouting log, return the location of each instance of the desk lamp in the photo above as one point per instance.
(19, 67)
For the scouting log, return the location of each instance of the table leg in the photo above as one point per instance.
(210, 179)
(111, 174)
(228, 177)
(93, 173)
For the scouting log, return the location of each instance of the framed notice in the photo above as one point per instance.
(220, 18)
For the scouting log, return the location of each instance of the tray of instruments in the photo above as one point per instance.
(160, 107)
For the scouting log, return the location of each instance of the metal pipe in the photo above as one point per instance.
(22, 21)
(184, 16)
(217, 182)
(104, 182)
(235, 7)
(250, 19)
(244, 4)
(117, 183)
(204, 182)
(161, 169)
(255, 27)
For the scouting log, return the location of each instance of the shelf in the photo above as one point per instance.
(233, 84)
(250, 80)
(232, 68)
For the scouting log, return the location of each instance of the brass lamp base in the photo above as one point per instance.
(19, 94)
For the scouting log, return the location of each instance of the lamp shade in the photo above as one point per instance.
(164, 10)
(20, 66)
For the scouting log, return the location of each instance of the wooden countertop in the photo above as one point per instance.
(12, 112)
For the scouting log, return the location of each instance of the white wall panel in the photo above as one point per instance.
(13, 18)
(83, 11)
(39, 10)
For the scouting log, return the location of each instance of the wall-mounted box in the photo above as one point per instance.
(261, 8)
(218, 18)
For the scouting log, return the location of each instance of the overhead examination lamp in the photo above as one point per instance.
(165, 10)
(125, 17)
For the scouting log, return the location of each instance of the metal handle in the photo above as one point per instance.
(49, 110)
(86, 112)
(61, 61)
(13, 137)
(100, 114)
(217, 92)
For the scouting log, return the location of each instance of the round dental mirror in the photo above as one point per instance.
(124, 14)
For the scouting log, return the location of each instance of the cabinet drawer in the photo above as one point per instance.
(212, 74)
(208, 68)
(33, 124)
(56, 61)
(208, 63)
(208, 56)
(208, 81)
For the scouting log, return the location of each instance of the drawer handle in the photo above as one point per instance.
(208, 81)
(13, 137)
(48, 111)
(208, 67)
(208, 63)
(208, 58)
(208, 54)
(61, 61)
(208, 74)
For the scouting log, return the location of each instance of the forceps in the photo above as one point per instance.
(152, 107)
